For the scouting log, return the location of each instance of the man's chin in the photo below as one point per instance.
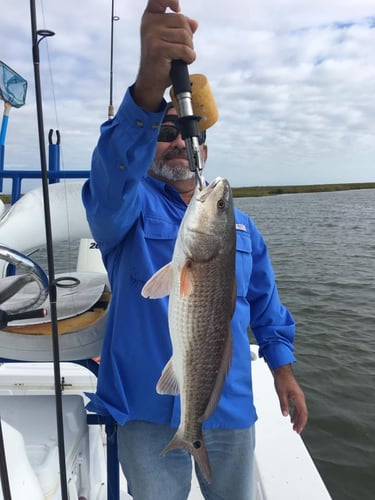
(173, 172)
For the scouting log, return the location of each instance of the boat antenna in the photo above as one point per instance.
(111, 109)
(37, 37)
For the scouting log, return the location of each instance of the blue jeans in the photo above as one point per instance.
(151, 476)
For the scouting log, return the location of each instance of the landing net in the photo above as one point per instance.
(12, 86)
(13, 92)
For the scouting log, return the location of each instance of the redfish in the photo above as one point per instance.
(200, 281)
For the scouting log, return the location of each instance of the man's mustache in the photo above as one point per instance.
(175, 153)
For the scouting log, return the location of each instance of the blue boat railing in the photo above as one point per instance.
(55, 174)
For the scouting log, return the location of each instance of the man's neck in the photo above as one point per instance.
(185, 188)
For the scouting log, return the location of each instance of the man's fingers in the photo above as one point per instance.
(160, 6)
(299, 420)
(168, 36)
(300, 413)
(165, 36)
(284, 406)
(193, 24)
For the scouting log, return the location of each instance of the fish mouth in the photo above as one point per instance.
(204, 194)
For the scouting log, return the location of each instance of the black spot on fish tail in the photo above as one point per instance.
(197, 449)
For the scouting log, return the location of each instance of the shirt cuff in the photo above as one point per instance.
(277, 355)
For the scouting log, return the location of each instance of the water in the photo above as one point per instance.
(322, 246)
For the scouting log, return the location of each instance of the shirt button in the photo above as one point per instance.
(121, 167)
(140, 123)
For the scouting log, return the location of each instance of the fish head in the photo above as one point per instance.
(208, 227)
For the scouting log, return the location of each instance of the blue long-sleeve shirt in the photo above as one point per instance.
(134, 218)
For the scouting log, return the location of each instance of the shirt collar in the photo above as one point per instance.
(164, 188)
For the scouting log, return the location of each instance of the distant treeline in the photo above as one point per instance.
(241, 192)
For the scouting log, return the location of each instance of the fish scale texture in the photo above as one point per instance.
(199, 329)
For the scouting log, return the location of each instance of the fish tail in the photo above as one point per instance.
(197, 449)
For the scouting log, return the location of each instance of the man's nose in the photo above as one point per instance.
(179, 142)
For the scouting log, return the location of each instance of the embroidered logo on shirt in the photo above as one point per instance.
(241, 227)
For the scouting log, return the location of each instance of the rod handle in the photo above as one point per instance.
(180, 77)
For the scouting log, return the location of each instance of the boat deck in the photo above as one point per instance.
(283, 466)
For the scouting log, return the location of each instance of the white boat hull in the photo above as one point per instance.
(283, 466)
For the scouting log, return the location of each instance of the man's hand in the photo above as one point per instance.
(288, 390)
(164, 37)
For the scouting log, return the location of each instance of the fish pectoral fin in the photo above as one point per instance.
(168, 383)
(186, 283)
(224, 368)
(160, 284)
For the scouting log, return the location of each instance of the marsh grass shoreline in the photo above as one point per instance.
(252, 191)
(241, 192)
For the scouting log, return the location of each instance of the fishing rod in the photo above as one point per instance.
(37, 37)
(5, 486)
(196, 109)
(188, 120)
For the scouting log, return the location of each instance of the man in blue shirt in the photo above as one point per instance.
(135, 199)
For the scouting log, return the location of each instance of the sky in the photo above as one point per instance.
(293, 80)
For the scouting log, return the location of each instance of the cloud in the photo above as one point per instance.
(293, 82)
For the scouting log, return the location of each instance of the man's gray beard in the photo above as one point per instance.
(179, 172)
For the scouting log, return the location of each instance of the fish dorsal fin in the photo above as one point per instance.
(186, 284)
(160, 284)
(226, 361)
(168, 383)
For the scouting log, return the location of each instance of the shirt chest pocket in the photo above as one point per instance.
(156, 241)
(159, 229)
(244, 262)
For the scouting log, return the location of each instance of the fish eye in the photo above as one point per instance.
(221, 204)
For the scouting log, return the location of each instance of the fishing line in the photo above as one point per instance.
(38, 36)
(50, 69)
(111, 109)
(68, 255)
(71, 251)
